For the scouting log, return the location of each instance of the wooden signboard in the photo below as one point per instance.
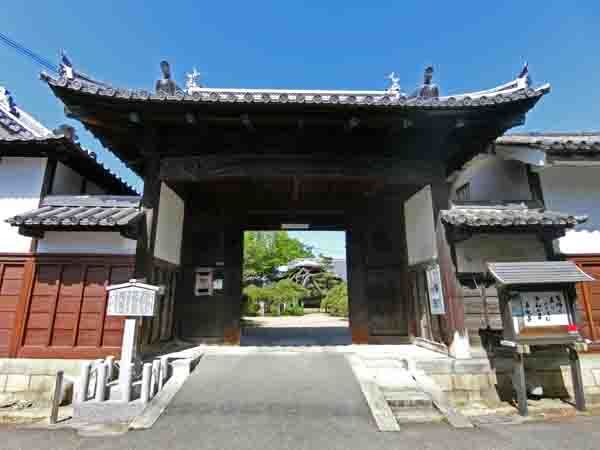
(436, 293)
(132, 299)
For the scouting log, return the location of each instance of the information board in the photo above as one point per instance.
(133, 301)
(436, 293)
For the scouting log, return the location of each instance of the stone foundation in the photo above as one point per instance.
(33, 379)
(488, 380)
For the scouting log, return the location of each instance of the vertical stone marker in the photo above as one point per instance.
(134, 300)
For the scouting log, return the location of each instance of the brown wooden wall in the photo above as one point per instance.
(588, 296)
(13, 277)
(54, 306)
(65, 313)
(160, 328)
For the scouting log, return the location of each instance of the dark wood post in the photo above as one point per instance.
(577, 379)
(457, 336)
(518, 380)
(233, 252)
(144, 257)
(357, 296)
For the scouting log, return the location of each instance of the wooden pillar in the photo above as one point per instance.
(519, 384)
(233, 252)
(456, 334)
(144, 257)
(358, 306)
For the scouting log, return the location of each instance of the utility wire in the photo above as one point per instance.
(24, 51)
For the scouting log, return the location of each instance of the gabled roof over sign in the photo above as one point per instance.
(542, 272)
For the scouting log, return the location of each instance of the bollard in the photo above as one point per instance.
(110, 368)
(155, 375)
(101, 383)
(84, 382)
(146, 380)
(56, 399)
(164, 372)
(125, 378)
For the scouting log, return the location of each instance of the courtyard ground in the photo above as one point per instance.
(294, 400)
(307, 330)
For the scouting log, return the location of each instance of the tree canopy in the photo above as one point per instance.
(264, 251)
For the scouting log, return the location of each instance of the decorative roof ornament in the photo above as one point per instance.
(7, 99)
(394, 87)
(67, 131)
(524, 75)
(166, 85)
(65, 66)
(428, 89)
(192, 84)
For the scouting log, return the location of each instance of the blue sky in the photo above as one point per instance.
(315, 44)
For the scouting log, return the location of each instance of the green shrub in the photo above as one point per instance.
(336, 301)
(282, 298)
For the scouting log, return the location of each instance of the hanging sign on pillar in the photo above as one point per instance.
(133, 299)
(436, 292)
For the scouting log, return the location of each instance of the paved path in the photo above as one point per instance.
(296, 401)
(310, 329)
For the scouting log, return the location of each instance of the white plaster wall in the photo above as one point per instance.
(575, 190)
(473, 254)
(97, 242)
(169, 226)
(20, 186)
(420, 227)
(493, 178)
(66, 181)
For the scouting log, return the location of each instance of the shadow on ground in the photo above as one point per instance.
(309, 330)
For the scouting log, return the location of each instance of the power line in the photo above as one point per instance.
(24, 51)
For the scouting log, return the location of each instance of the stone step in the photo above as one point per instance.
(408, 399)
(417, 415)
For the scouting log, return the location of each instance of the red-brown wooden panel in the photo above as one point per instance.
(87, 338)
(589, 298)
(93, 305)
(35, 337)
(41, 303)
(4, 338)
(8, 303)
(46, 280)
(13, 272)
(62, 338)
(10, 287)
(114, 323)
(66, 311)
(68, 304)
(112, 338)
(11, 284)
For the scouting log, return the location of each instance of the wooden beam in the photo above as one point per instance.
(391, 170)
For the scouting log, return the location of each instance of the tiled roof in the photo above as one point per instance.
(16, 122)
(81, 211)
(513, 91)
(59, 146)
(556, 143)
(538, 272)
(507, 215)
